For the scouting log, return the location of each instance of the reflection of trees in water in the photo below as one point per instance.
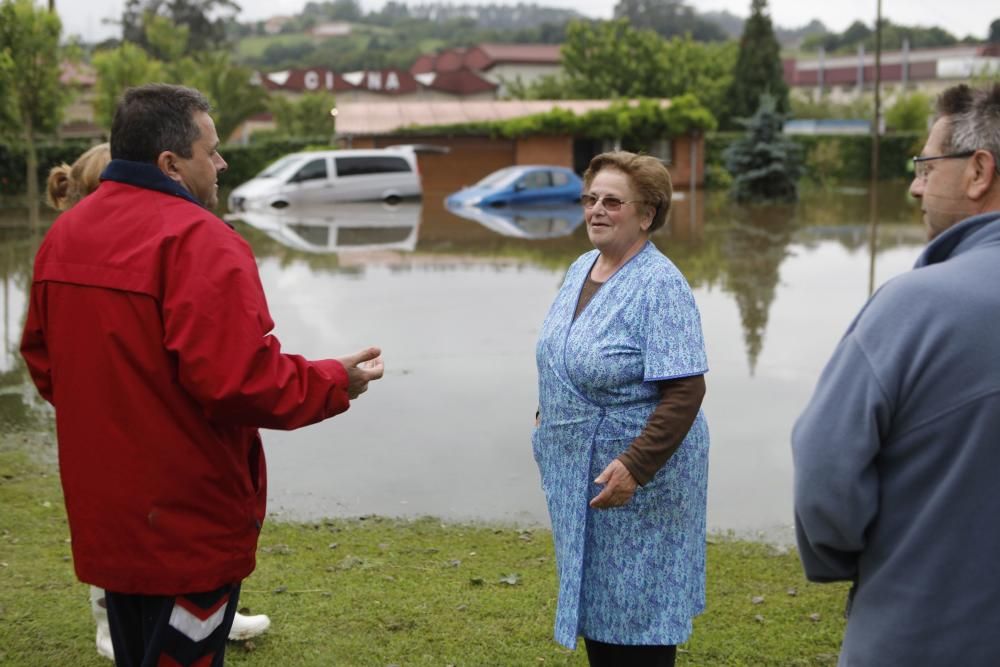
(20, 404)
(740, 249)
(754, 246)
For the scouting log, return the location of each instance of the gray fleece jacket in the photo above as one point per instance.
(897, 462)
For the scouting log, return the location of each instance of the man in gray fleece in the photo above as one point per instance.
(897, 455)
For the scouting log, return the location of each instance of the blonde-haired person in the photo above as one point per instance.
(621, 442)
(67, 185)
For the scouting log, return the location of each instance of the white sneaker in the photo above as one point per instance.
(245, 627)
(103, 640)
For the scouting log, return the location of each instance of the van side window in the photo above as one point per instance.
(559, 178)
(375, 164)
(311, 171)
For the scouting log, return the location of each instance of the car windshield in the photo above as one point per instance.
(499, 177)
(280, 166)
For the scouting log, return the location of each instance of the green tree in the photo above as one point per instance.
(165, 40)
(994, 36)
(31, 99)
(909, 113)
(669, 18)
(765, 164)
(117, 69)
(758, 67)
(205, 19)
(613, 59)
(309, 116)
(234, 98)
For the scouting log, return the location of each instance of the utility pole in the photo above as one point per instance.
(876, 135)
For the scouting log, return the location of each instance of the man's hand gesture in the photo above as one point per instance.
(362, 367)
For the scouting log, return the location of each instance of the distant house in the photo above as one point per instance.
(78, 116)
(501, 64)
(845, 77)
(273, 25)
(336, 29)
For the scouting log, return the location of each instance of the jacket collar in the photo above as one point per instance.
(967, 234)
(145, 175)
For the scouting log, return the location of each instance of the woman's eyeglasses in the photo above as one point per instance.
(610, 202)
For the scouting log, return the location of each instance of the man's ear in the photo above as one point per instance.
(984, 175)
(167, 162)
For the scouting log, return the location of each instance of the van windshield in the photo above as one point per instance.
(279, 167)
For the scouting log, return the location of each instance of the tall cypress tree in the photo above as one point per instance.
(758, 68)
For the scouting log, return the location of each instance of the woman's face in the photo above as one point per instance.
(615, 232)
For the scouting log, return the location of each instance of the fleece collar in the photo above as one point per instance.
(972, 232)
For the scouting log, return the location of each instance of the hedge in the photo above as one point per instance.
(837, 157)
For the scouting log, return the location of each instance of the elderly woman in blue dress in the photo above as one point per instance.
(620, 440)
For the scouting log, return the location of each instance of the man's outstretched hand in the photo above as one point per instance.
(362, 367)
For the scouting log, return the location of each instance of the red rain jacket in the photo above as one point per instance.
(147, 329)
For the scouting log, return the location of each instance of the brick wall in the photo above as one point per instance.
(680, 168)
(544, 150)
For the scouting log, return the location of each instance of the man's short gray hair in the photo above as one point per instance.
(973, 117)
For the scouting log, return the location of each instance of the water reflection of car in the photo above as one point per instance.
(345, 227)
(316, 178)
(530, 222)
(521, 185)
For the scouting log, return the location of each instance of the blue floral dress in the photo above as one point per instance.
(633, 574)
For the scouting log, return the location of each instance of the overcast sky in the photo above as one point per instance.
(960, 17)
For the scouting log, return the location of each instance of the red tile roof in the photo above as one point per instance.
(484, 56)
(458, 82)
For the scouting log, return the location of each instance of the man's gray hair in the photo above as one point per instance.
(154, 118)
(973, 117)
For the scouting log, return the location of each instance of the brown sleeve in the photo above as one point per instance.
(666, 428)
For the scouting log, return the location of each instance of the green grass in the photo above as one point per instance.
(385, 592)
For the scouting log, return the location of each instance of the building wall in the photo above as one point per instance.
(680, 165)
(544, 150)
(480, 156)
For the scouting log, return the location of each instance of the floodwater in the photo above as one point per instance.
(456, 304)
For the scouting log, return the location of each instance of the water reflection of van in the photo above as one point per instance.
(323, 177)
(343, 228)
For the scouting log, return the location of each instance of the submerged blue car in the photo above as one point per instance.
(521, 185)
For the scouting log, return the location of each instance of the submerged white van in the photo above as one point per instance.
(323, 177)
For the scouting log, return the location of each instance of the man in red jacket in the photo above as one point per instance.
(147, 329)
